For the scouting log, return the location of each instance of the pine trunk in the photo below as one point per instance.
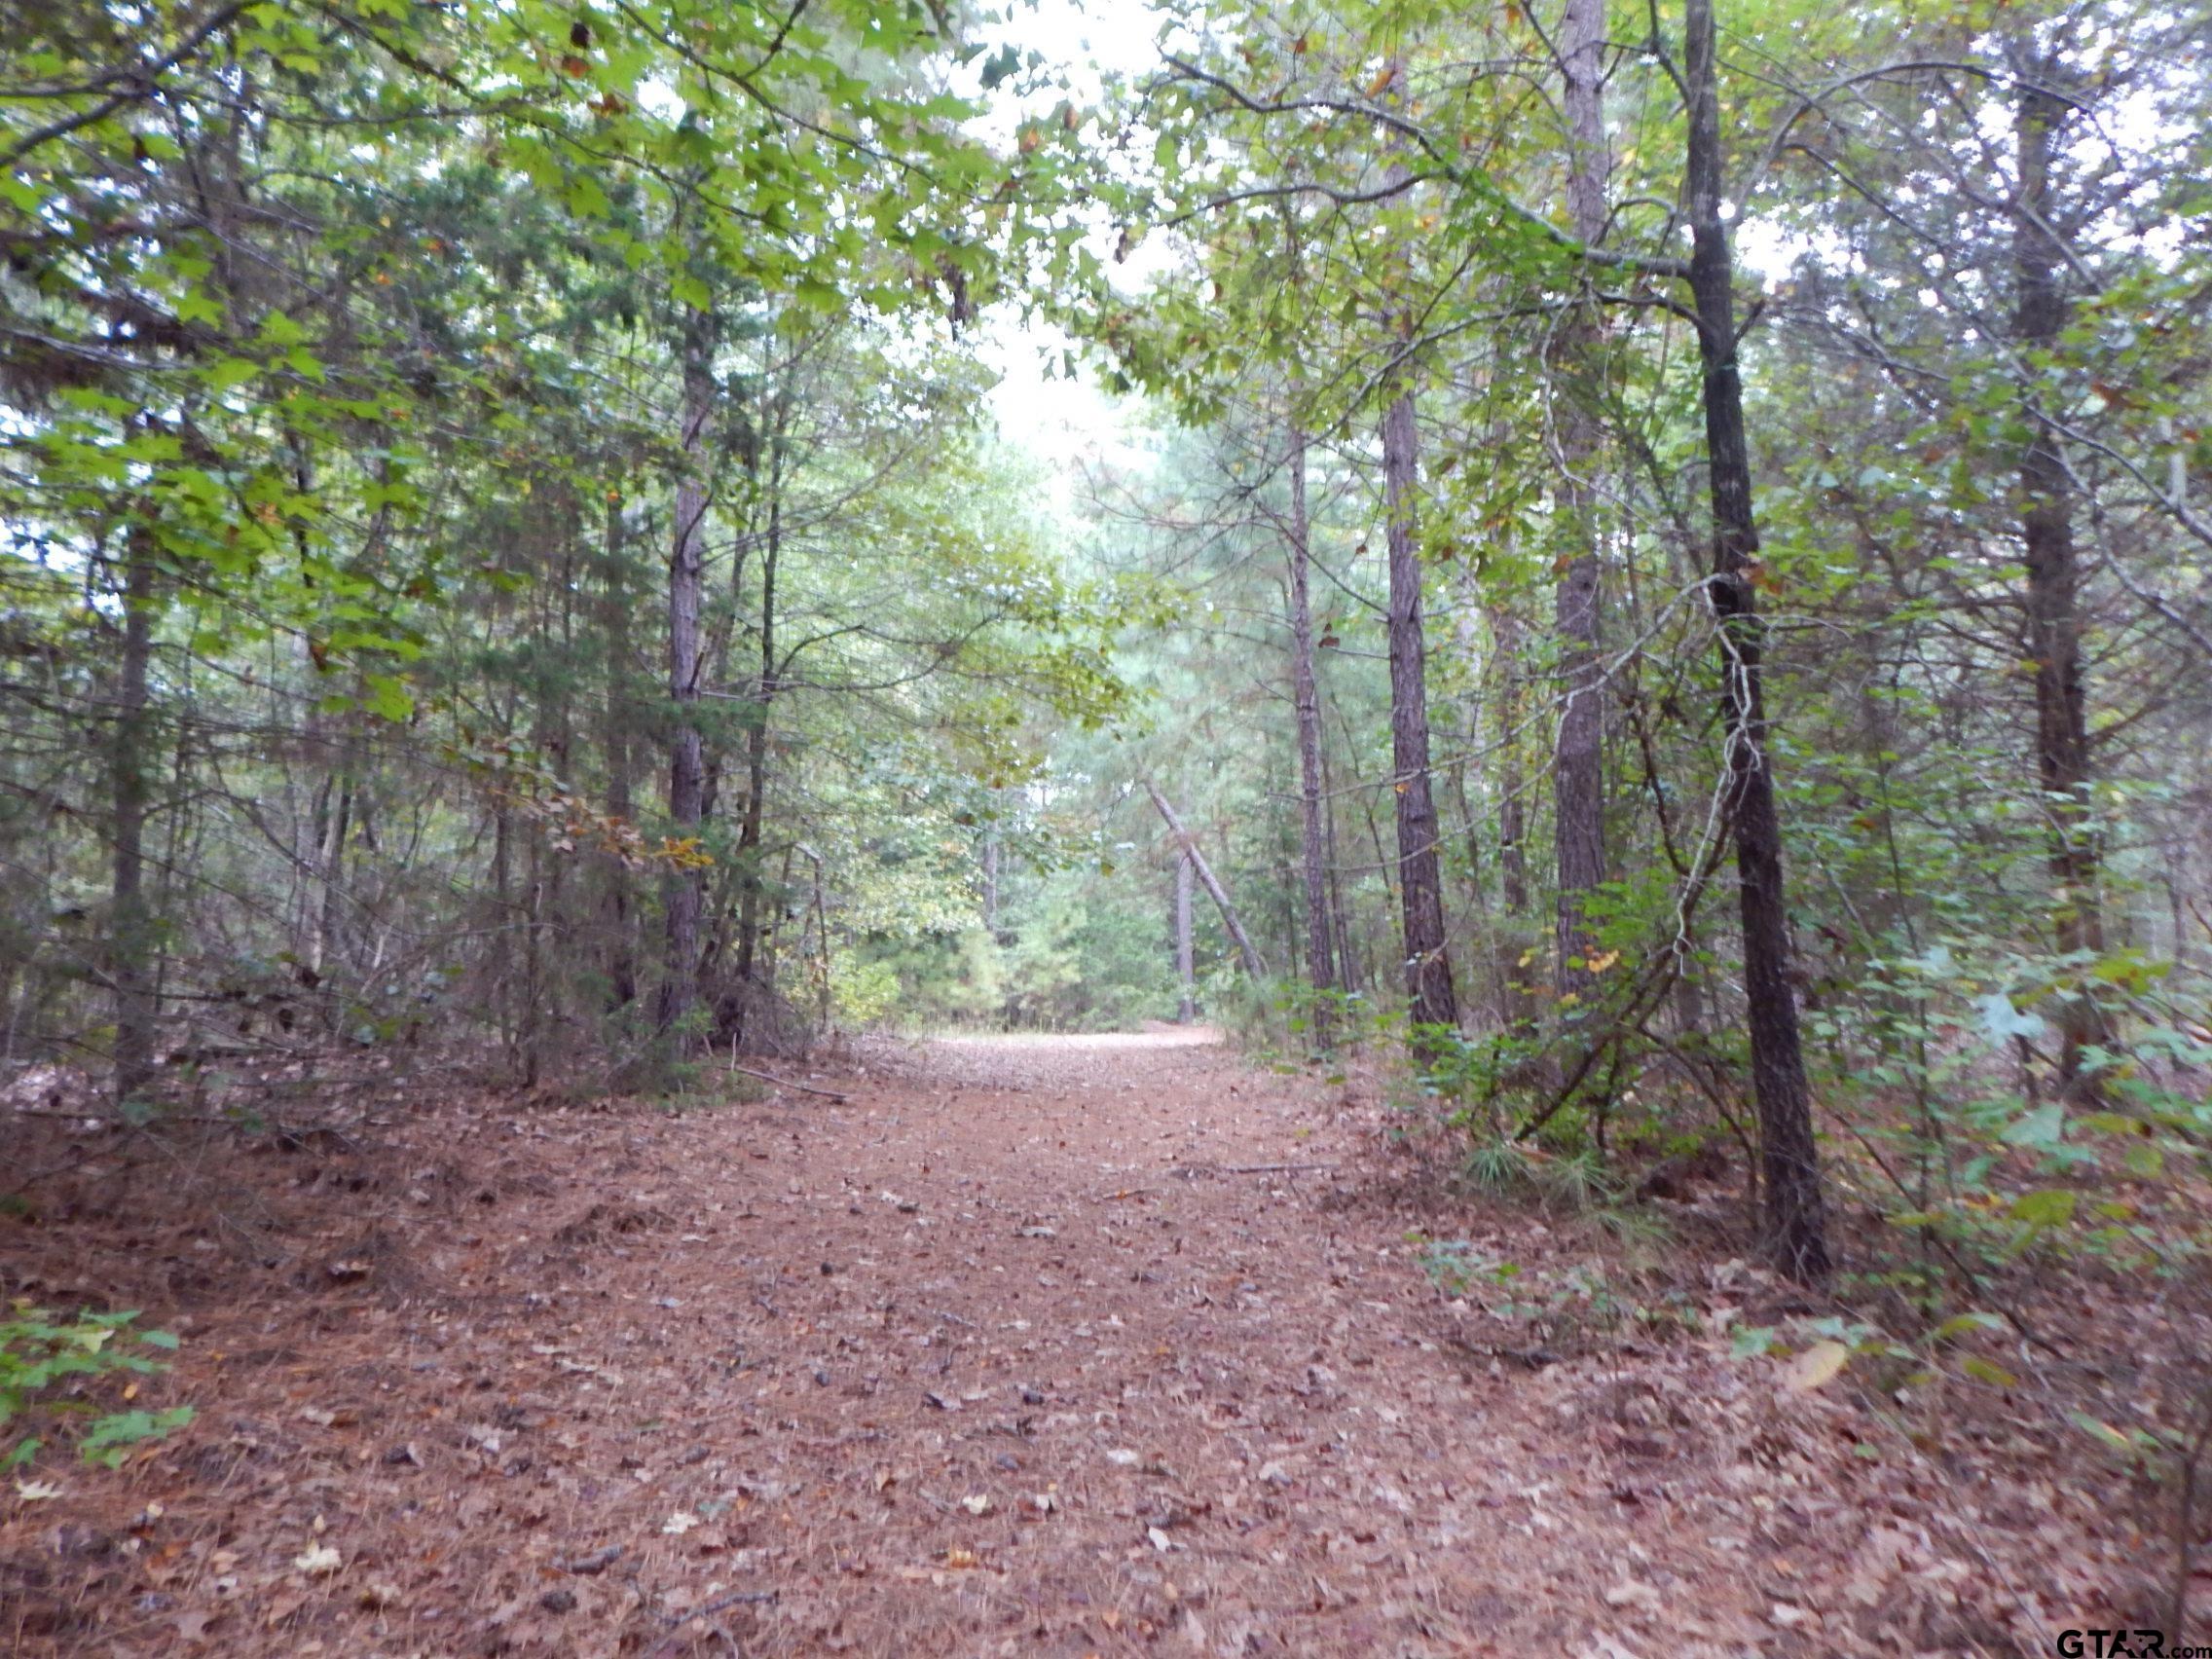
(1577, 762)
(1421, 887)
(621, 944)
(1185, 972)
(1312, 838)
(132, 934)
(2053, 575)
(687, 589)
(1254, 963)
(1793, 1221)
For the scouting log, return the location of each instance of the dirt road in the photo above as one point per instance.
(1066, 1347)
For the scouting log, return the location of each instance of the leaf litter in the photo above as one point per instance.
(950, 1366)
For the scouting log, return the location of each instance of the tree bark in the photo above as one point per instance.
(1793, 1221)
(1313, 841)
(330, 927)
(687, 587)
(131, 929)
(2053, 572)
(1512, 813)
(621, 946)
(1577, 762)
(991, 861)
(1432, 999)
(1254, 964)
(1517, 991)
(750, 888)
(1185, 972)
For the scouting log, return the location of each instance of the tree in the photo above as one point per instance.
(1577, 765)
(1794, 1218)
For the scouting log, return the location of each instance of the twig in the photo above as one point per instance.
(676, 1621)
(1190, 1171)
(156, 1120)
(585, 1565)
(802, 1087)
(735, 1598)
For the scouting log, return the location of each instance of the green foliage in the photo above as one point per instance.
(1928, 1051)
(46, 1363)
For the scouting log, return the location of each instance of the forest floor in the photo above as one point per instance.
(1065, 1346)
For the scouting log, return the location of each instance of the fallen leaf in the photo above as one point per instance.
(1816, 1365)
(682, 1521)
(318, 1559)
(36, 1491)
(977, 1504)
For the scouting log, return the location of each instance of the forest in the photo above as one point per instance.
(1573, 640)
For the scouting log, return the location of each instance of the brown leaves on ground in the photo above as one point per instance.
(1003, 1354)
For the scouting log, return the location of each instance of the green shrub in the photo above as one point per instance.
(40, 1357)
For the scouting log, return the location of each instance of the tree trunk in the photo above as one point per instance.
(1433, 999)
(621, 946)
(1254, 964)
(2053, 599)
(1313, 842)
(686, 586)
(1577, 762)
(1348, 971)
(991, 861)
(1793, 1222)
(1512, 812)
(1517, 992)
(132, 938)
(330, 928)
(1185, 972)
(756, 817)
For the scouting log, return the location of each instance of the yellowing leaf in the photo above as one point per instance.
(1983, 1371)
(1816, 1365)
(36, 1491)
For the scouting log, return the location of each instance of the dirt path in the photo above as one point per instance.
(1018, 1349)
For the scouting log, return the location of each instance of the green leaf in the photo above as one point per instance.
(226, 372)
(2144, 1159)
(109, 1440)
(2044, 1126)
(1961, 1324)
(2111, 1437)
(2051, 1207)
(1983, 1371)
(2001, 1020)
(390, 698)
